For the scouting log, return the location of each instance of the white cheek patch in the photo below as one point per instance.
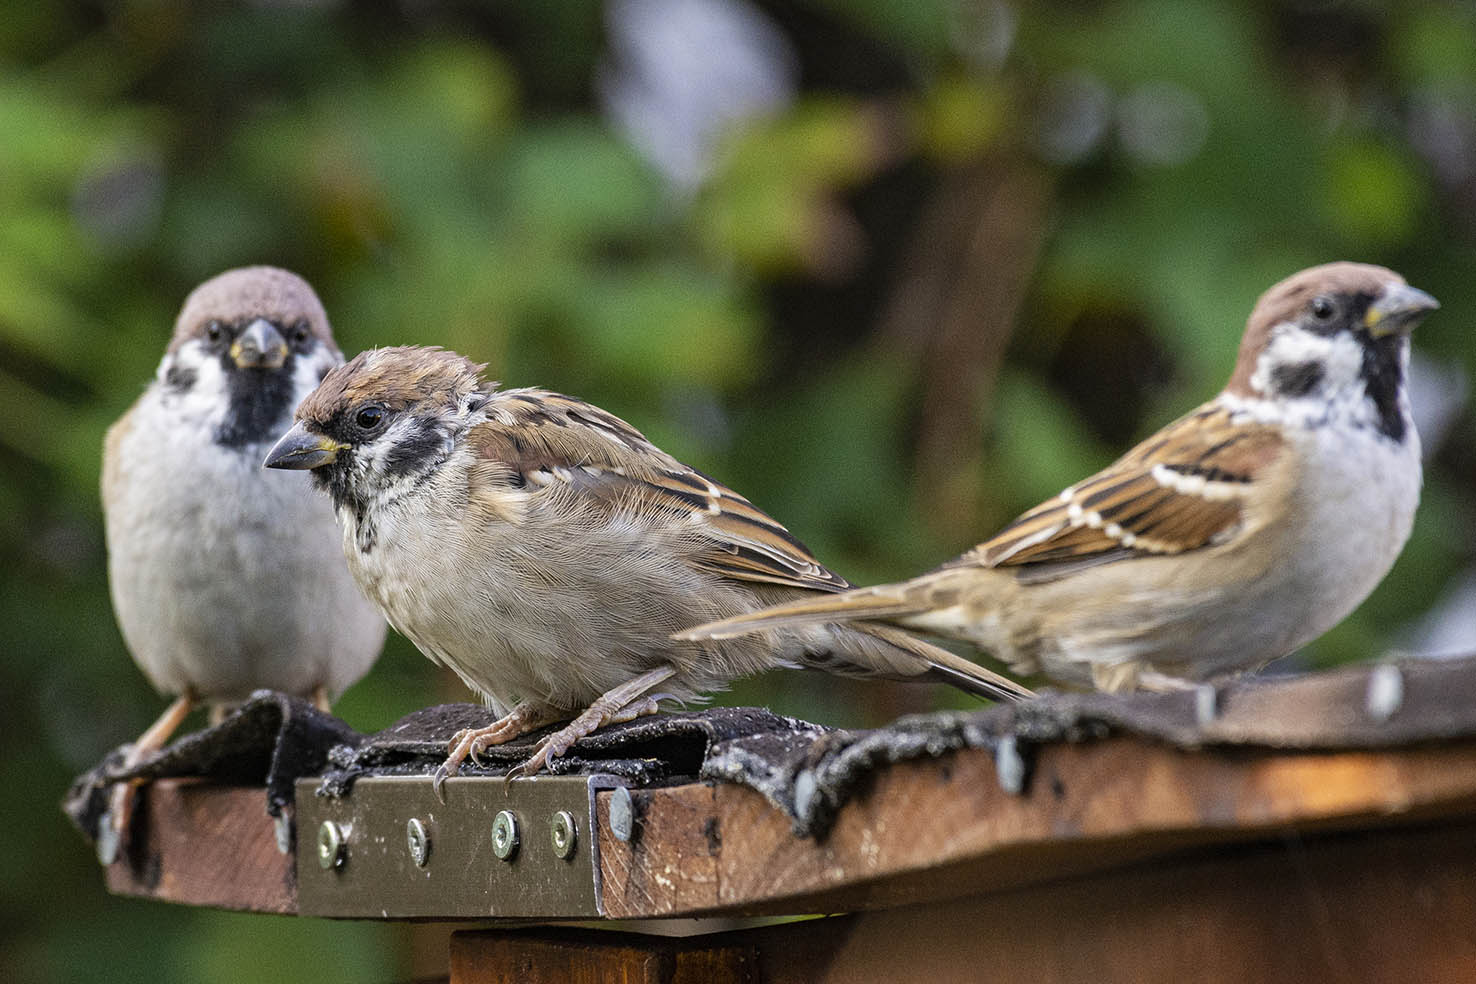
(207, 397)
(374, 459)
(1341, 358)
(1339, 392)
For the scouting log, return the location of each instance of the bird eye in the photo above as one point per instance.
(1323, 308)
(300, 333)
(369, 417)
(214, 331)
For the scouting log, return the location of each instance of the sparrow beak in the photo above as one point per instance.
(1398, 309)
(299, 449)
(260, 346)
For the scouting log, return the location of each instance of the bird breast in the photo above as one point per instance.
(224, 576)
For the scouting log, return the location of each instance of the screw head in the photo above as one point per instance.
(504, 835)
(622, 814)
(418, 841)
(282, 830)
(332, 845)
(563, 834)
(108, 841)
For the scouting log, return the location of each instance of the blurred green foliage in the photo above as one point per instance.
(854, 318)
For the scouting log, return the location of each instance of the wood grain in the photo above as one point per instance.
(1378, 906)
(591, 957)
(921, 832)
(940, 828)
(198, 843)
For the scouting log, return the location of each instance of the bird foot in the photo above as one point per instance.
(596, 717)
(472, 742)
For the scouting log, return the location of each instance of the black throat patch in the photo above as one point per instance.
(337, 482)
(259, 401)
(1383, 377)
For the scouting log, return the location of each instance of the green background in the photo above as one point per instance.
(982, 249)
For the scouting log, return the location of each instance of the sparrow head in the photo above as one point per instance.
(383, 419)
(248, 345)
(1333, 340)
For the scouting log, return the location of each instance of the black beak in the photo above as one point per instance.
(302, 450)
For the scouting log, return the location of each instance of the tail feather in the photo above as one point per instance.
(947, 667)
(864, 603)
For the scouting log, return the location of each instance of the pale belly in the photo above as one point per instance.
(223, 601)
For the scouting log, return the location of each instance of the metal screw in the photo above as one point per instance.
(622, 814)
(504, 835)
(332, 845)
(282, 830)
(418, 841)
(1009, 765)
(805, 788)
(1385, 692)
(108, 840)
(1206, 704)
(563, 833)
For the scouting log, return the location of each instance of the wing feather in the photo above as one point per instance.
(1182, 489)
(537, 438)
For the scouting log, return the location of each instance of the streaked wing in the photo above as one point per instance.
(747, 544)
(536, 438)
(1182, 489)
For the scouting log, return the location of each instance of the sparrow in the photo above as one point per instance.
(1231, 537)
(546, 551)
(222, 576)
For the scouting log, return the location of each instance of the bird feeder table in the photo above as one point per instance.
(1319, 828)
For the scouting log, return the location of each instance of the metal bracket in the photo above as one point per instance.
(390, 849)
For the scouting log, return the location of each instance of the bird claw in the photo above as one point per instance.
(536, 762)
(444, 771)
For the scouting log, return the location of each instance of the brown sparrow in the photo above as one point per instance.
(1231, 537)
(546, 551)
(222, 575)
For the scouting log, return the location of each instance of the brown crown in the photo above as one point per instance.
(400, 376)
(267, 292)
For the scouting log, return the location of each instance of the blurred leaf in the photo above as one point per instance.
(576, 183)
(1433, 42)
(659, 326)
(1039, 442)
(1373, 197)
(961, 118)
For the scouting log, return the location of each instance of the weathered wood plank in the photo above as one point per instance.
(1378, 907)
(592, 957)
(1381, 906)
(199, 843)
(941, 828)
(923, 831)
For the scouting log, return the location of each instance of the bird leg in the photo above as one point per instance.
(120, 808)
(624, 703)
(321, 700)
(471, 742)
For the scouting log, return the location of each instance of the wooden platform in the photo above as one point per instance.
(1122, 860)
